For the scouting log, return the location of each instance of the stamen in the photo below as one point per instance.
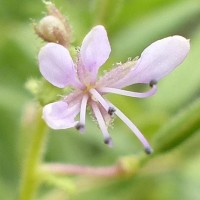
(80, 126)
(102, 125)
(111, 111)
(148, 150)
(152, 83)
(127, 121)
(108, 141)
(152, 91)
(123, 117)
(99, 98)
(137, 132)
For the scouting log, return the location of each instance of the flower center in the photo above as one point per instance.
(88, 88)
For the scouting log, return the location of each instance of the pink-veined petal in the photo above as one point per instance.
(56, 65)
(157, 60)
(59, 115)
(94, 52)
(116, 74)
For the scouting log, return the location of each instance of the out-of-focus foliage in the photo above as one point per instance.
(131, 25)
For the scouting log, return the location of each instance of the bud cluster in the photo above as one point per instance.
(54, 27)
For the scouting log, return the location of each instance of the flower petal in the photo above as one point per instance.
(115, 75)
(94, 51)
(158, 60)
(56, 65)
(59, 115)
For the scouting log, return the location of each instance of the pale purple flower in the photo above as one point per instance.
(57, 67)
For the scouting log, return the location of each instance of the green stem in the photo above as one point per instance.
(30, 179)
(126, 166)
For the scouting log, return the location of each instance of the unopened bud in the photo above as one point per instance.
(54, 27)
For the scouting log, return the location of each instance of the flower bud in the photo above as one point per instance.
(54, 27)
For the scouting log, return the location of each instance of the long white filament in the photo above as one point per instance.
(99, 98)
(102, 124)
(135, 130)
(152, 91)
(123, 117)
(81, 123)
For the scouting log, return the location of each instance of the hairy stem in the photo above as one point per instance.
(30, 178)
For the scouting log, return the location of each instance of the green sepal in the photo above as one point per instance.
(45, 92)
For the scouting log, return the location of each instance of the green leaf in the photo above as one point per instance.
(132, 39)
(178, 129)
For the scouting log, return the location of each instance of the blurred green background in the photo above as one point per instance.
(132, 25)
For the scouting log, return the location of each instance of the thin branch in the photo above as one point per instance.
(65, 169)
